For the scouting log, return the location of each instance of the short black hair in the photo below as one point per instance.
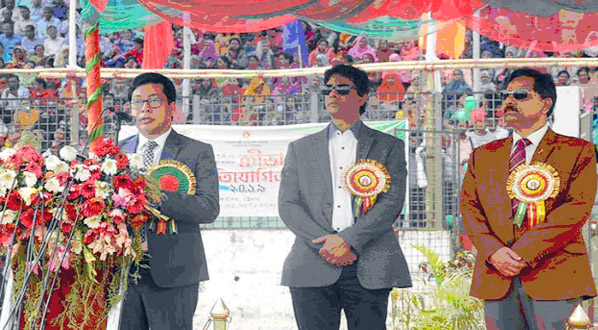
(565, 72)
(41, 82)
(543, 84)
(155, 78)
(583, 69)
(357, 76)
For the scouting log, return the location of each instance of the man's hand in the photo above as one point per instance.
(507, 262)
(335, 250)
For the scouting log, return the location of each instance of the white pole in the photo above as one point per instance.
(476, 54)
(72, 34)
(187, 34)
(431, 51)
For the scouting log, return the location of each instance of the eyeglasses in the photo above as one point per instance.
(518, 94)
(153, 103)
(341, 89)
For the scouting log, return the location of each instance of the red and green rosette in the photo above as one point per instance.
(532, 185)
(366, 179)
(172, 176)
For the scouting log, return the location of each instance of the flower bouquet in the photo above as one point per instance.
(70, 228)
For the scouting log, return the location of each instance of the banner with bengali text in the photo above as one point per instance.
(250, 160)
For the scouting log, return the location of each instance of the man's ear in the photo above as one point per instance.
(547, 105)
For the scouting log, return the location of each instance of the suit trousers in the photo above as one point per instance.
(518, 311)
(319, 308)
(148, 306)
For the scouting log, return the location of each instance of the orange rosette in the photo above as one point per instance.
(532, 185)
(366, 179)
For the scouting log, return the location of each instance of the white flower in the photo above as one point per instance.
(7, 178)
(68, 153)
(93, 167)
(102, 189)
(51, 163)
(92, 222)
(53, 186)
(77, 243)
(29, 178)
(61, 167)
(82, 173)
(109, 166)
(6, 153)
(27, 194)
(9, 216)
(136, 162)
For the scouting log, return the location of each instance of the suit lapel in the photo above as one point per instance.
(545, 147)
(365, 141)
(172, 146)
(129, 145)
(500, 167)
(320, 170)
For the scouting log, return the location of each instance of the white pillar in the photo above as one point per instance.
(72, 34)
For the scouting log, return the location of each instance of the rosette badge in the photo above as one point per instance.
(175, 177)
(365, 180)
(532, 185)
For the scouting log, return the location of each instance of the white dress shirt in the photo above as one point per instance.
(534, 138)
(342, 148)
(160, 140)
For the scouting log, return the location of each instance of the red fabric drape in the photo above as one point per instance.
(565, 31)
(100, 5)
(157, 45)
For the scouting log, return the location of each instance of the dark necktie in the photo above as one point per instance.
(517, 158)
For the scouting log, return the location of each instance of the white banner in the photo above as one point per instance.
(250, 159)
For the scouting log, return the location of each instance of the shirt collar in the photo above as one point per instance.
(354, 128)
(160, 140)
(534, 138)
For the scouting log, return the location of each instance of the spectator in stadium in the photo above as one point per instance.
(254, 104)
(563, 78)
(38, 55)
(236, 55)
(36, 10)
(124, 41)
(322, 49)
(15, 13)
(60, 9)
(361, 48)
(21, 25)
(53, 42)
(254, 63)
(47, 20)
(266, 53)
(342, 258)
(410, 51)
(30, 39)
(453, 91)
(207, 50)
(7, 17)
(136, 52)
(404, 75)
(10, 40)
(18, 58)
(391, 91)
(12, 92)
(383, 51)
(285, 61)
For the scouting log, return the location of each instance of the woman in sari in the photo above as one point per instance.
(254, 102)
(361, 48)
(391, 91)
(454, 90)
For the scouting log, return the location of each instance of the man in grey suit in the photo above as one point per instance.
(342, 258)
(166, 295)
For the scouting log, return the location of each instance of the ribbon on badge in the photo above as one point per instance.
(532, 185)
(366, 179)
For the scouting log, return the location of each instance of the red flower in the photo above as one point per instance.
(90, 236)
(106, 147)
(14, 201)
(91, 162)
(63, 178)
(74, 193)
(137, 204)
(40, 217)
(139, 220)
(122, 161)
(87, 189)
(169, 183)
(95, 175)
(71, 211)
(92, 207)
(6, 232)
(14, 162)
(123, 181)
(35, 168)
(139, 185)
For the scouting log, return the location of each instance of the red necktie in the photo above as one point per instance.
(517, 158)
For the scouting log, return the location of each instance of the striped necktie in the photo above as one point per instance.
(517, 158)
(148, 153)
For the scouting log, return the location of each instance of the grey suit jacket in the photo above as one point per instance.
(305, 205)
(179, 259)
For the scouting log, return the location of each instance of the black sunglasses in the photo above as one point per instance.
(342, 89)
(518, 94)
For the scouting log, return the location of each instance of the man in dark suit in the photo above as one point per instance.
(533, 273)
(166, 295)
(342, 258)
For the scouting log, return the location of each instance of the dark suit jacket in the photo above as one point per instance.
(179, 259)
(305, 205)
(556, 251)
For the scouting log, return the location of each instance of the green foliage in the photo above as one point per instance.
(444, 302)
